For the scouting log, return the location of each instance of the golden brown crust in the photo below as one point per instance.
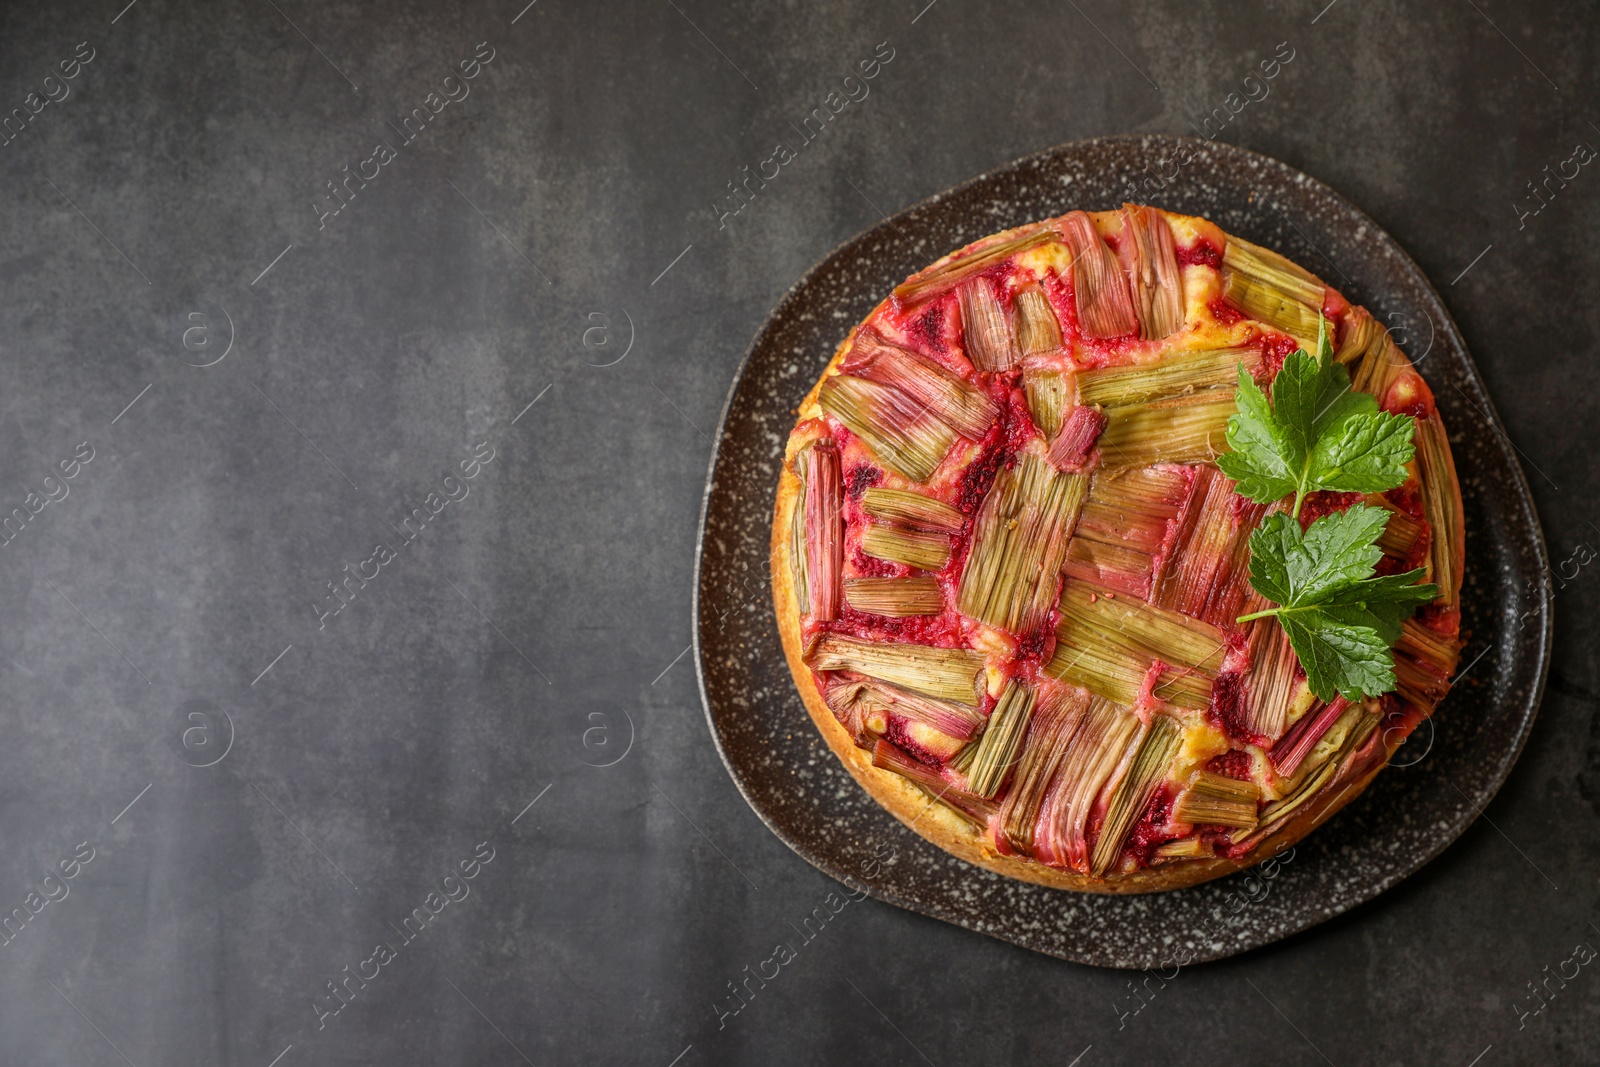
(942, 825)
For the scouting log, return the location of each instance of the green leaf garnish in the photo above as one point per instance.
(1341, 618)
(1318, 433)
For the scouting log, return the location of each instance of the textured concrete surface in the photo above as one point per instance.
(252, 792)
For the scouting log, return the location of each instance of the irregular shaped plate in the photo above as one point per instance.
(1438, 782)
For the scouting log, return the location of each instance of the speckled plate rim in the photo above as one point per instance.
(1159, 146)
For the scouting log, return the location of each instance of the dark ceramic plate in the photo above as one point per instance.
(1438, 782)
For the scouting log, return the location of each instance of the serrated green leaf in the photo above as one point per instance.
(1385, 589)
(1330, 604)
(1271, 545)
(1366, 453)
(1352, 661)
(1309, 396)
(1338, 548)
(1384, 602)
(1264, 461)
(1317, 434)
(1292, 568)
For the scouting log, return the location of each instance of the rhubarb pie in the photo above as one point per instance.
(1010, 575)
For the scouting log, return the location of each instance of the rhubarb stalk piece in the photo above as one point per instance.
(996, 752)
(1038, 329)
(1296, 745)
(1153, 272)
(798, 545)
(824, 529)
(985, 327)
(953, 674)
(870, 709)
(1049, 393)
(1019, 545)
(894, 597)
(846, 696)
(908, 527)
(1268, 287)
(1079, 431)
(958, 721)
(954, 720)
(1208, 576)
(1217, 800)
(1442, 507)
(1134, 506)
(1123, 569)
(1122, 527)
(946, 276)
(1173, 374)
(954, 401)
(1379, 365)
(1179, 429)
(911, 510)
(1175, 639)
(1401, 537)
(1105, 307)
(1356, 337)
(1274, 677)
(1105, 740)
(1160, 744)
(906, 407)
(1352, 729)
(888, 757)
(901, 433)
(1424, 660)
(1183, 848)
(914, 548)
(1054, 730)
(1109, 645)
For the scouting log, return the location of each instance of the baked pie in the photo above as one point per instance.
(1013, 575)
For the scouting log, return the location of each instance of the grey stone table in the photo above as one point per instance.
(348, 711)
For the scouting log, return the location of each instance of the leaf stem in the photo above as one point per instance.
(1257, 615)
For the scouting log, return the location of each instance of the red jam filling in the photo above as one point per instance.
(862, 476)
(1232, 764)
(1224, 312)
(941, 630)
(1227, 711)
(1151, 829)
(1202, 253)
(979, 475)
(1318, 504)
(1275, 348)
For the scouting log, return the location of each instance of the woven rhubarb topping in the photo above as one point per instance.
(1030, 599)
